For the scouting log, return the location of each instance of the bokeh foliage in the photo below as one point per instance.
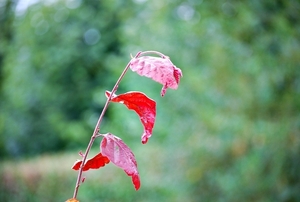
(231, 132)
(54, 68)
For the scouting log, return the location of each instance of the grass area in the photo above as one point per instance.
(43, 178)
(49, 178)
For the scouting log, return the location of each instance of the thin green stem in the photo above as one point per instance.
(97, 127)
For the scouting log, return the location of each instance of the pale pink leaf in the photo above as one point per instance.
(142, 105)
(120, 154)
(161, 70)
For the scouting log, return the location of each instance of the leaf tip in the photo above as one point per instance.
(136, 181)
(163, 90)
(145, 137)
(77, 165)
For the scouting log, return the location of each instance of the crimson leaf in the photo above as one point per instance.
(161, 70)
(96, 162)
(142, 105)
(121, 155)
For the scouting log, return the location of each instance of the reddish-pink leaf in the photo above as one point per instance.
(142, 105)
(161, 70)
(121, 155)
(96, 162)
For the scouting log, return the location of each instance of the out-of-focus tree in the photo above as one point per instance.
(6, 37)
(6, 34)
(55, 71)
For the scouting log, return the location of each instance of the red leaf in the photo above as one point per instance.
(142, 105)
(121, 155)
(96, 162)
(161, 70)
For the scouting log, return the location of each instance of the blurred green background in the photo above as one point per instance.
(231, 132)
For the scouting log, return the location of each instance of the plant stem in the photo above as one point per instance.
(153, 52)
(97, 128)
